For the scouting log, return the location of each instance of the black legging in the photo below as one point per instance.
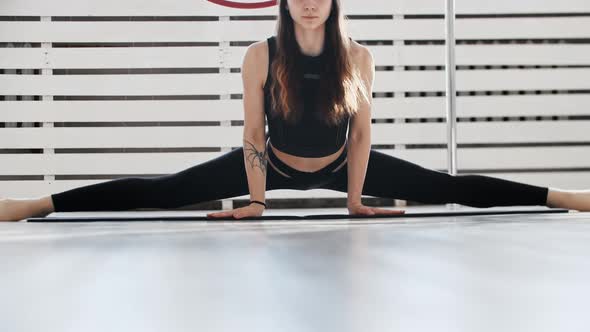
(225, 176)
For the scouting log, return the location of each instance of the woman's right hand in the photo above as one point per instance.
(252, 210)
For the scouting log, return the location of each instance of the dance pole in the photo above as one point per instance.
(450, 88)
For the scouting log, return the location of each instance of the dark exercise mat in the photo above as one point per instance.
(291, 217)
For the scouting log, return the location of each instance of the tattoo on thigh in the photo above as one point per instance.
(254, 157)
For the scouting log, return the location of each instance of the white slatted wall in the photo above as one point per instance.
(98, 90)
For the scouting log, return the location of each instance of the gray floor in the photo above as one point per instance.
(471, 273)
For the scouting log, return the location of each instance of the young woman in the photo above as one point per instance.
(313, 84)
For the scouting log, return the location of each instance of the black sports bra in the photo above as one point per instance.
(309, 137)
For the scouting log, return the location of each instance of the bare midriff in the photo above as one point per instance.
(304, 164)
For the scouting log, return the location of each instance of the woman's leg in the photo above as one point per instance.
(222, 177)
(391, 177)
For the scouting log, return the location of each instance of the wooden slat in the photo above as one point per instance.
(214, 31)
(164, 163)
(122, 110)
(479, 106)
(549, 54)
(561, 180)
(121, 137)
(205, 8)
(136, 57)
(434, 55)
(223, 110)
(523, 28)
(381, 133)
(140, 84)
(226, 83)
(484, 80)
(23, 58)
(482, 132)
(511, 6)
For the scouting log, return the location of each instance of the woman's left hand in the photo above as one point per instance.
(360, 209)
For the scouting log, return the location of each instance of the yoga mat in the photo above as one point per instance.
(294, 217)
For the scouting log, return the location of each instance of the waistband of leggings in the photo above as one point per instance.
(296, 173)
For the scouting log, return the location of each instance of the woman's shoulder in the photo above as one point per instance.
(256, 59)
(361, 54)
(259, 47)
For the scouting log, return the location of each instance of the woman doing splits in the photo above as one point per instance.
(313, 84)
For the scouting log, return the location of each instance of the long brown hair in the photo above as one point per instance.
(341, 86)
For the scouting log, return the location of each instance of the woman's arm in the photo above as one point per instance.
(359, 134)
(359, 147)
(254, 139)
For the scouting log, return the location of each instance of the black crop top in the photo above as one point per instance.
(309, 137)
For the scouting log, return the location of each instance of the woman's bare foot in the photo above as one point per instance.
(20, 209)
(569, 199)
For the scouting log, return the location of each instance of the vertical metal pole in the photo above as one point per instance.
(450, 87)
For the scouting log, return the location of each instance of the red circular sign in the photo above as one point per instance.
(245, 4)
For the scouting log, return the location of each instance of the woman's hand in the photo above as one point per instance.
(359, 209)
(252, 210)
